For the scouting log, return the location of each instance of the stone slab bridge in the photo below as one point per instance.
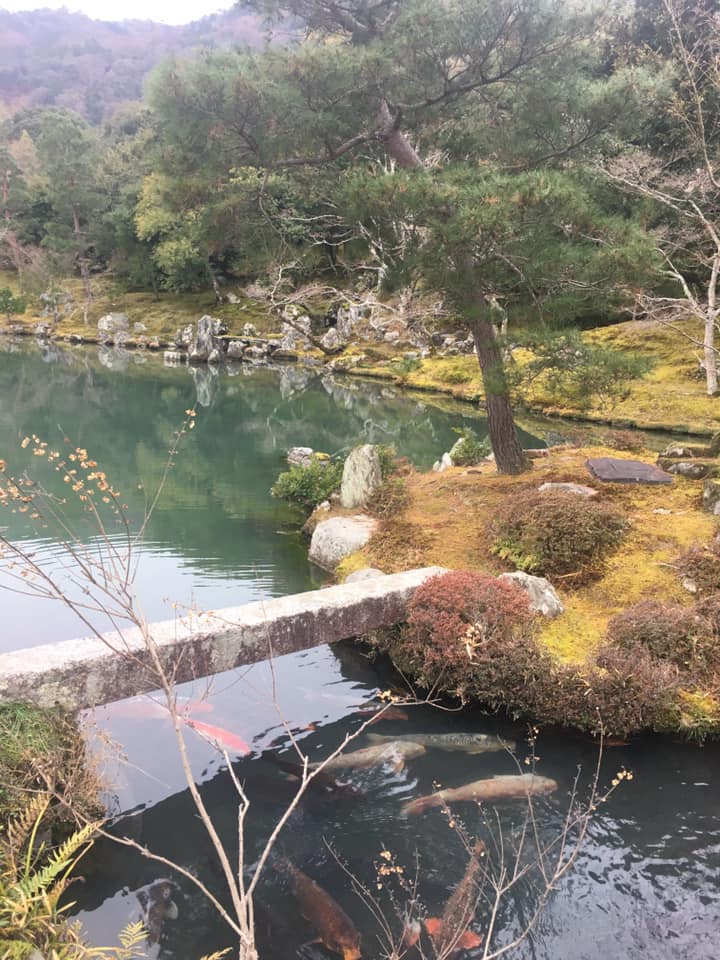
(91, 671)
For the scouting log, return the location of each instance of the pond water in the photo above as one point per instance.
(646, 880)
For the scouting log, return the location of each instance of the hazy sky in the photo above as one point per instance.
(164, 11)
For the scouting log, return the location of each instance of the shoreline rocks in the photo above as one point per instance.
(338, 537)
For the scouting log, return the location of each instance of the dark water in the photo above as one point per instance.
(646, 880)
(645, 883)
(217, 537)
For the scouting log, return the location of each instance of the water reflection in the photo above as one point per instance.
(217, 538)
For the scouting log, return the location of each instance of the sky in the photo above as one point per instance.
(163, 11)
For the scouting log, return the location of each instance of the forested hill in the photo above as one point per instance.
(57, 58)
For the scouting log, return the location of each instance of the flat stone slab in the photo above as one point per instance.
(614, 470)
(90, 671)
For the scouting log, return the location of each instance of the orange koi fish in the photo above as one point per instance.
(218, 736)
(451, 932)
(336, 929)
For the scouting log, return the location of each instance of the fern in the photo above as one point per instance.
(60, 863)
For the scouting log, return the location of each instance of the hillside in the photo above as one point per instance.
(57, 58)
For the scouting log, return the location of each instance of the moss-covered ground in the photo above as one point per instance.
(447, 523)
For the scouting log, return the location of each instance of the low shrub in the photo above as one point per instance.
(456, 621)
(470, 449)
(309, 486)
(628, 440)
(683, 636)
(556, 533)
(457, 376)
(388, 459)
(629, 691)
(700, 566)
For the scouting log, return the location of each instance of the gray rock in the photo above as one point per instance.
(347, 320)
(172, 358)
(367, 573)
(392, 336)
(331, 340)
(541, 593)
(154, 343)
(691, 469)
(293, 338)
(43, 330)
(249, 330)
(300, 456)
(338, 537)
(214, 356)
(184, 336)
(677, 452)
(202, 343)
(254, 353)
(578, 489)
(445, 462)
(232, 297)
(715, 445)
(711, 496)
(235, 349)
(121, 338)
(139, 328)
(111, 324)
(361, 476)
(219, 327)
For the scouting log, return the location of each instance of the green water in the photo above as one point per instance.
(217, 537)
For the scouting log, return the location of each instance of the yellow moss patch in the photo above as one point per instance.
(356, 561)
(453, 510)
(699, 713)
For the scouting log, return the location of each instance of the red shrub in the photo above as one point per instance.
(454, 613)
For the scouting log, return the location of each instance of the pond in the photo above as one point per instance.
(645, 883)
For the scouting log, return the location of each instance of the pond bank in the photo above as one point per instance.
(449, 519)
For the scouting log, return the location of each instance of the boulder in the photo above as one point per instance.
(254, 353)
(112, 324)
(578, 489)
(338, 537)
(332, 340)
(294, 338)
(139, 328)
(43, 331)
(300, 456)
(676, 451)
(367, 573)
(691, 469)
(711, 496)
(541, 593)
(214, 356)
(202, 343)
(184, 336)
(172, 357)
(361, 476)
(249, 330)
(235, 349)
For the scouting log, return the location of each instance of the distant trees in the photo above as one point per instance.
(680, 174)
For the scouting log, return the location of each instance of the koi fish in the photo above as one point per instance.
(384, 713)
(394, 752)
(158, 906)
(321, 780)
(466, 742)
(450, 932)
(494, 788)
(336, 929)
(218, 736)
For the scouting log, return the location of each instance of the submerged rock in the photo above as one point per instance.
(541, 593)
(362, 475)
(338, 537)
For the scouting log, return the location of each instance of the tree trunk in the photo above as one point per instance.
(509, 456)
(711, 315)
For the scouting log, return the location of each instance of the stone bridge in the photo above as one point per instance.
(91, 671)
